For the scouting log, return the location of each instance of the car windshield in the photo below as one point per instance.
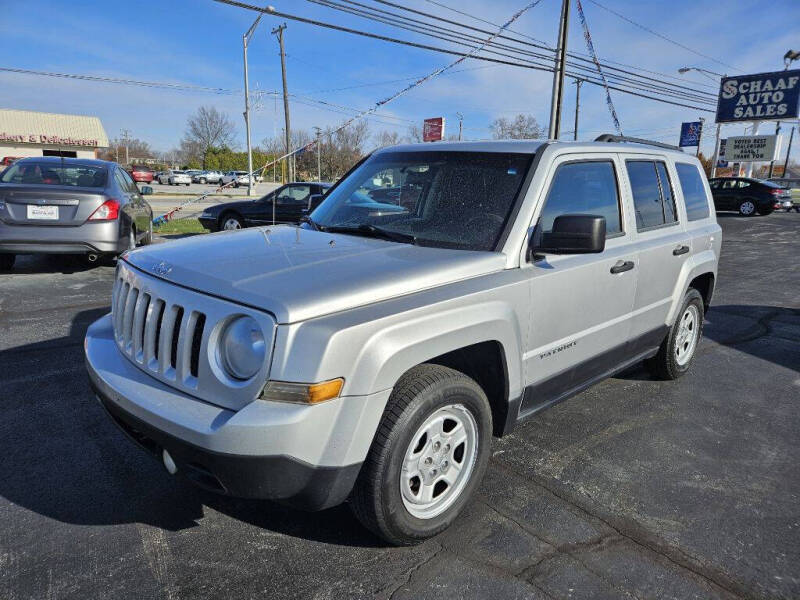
(444, 199)
(46, 173)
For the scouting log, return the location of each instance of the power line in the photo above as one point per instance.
(299, 19)
(468, 40)
(663, 37)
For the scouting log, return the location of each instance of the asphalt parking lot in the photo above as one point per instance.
(633, 489)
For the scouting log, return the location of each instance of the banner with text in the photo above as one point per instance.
(749, 148)
(690, 133)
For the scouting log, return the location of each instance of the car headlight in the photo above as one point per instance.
(242, 348)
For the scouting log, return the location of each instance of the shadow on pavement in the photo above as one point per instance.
(64, 459)
(65, 264)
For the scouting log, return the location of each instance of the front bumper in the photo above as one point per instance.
(100, 237)
(309, 455)
(209, 222)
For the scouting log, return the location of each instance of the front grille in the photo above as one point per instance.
(162, 336)
(171, 333)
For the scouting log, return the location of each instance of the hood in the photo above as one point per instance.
(297, 274)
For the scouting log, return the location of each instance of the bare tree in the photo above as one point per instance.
(207, 128)
(414, 134)
(137, 149)
(521, 127)
(387, 138)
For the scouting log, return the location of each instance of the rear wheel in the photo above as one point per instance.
(747, 208)
(679, 347)
(428, 456)
(7, 261)
(203, 180)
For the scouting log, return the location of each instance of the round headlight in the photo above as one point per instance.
(243, 349)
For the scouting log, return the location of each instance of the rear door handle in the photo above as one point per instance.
(680, 250)
(621, 267)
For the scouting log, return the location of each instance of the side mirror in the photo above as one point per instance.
(314, 200)
(571, 234)
(146, 190)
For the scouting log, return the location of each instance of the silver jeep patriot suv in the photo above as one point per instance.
(439, 295)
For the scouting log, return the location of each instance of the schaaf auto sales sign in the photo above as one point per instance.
(762, 97)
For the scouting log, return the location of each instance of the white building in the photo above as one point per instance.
(28, 133)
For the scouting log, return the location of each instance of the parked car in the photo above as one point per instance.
(53, 205)
(294, 200)
(174, 178)
(207, 177)
(793, 185)
(746, 195)
(141, 174)
(236, 178)
(372, 354)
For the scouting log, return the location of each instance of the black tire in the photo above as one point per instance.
(229, 215)
(203, 180)
(665, 364)
(747, 207)
(7, 262)
(148, 239)
(376, 500)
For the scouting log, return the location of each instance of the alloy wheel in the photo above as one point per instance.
(686, 338)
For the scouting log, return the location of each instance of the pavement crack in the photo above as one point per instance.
(627, 529)
(409, 575)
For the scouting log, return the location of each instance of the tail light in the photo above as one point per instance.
(776, 192)
(107, 211)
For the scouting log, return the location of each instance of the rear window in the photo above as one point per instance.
(652, 194)
(139, 169)
(770, 184)
(43, 173)
(694, 194)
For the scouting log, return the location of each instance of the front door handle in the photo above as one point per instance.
(621, 267)
(680, 250)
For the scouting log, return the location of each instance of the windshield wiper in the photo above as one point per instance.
(373, 231)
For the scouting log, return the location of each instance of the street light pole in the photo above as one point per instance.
(558, 73)
(716, 152)
(245, 42)
(460, 125)
(700, 135)
(788, 152)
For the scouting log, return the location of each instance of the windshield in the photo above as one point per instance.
(48, 173)
(444, 199)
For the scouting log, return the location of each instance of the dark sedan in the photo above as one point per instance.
(53, 205)
(288, 204)
(746, 195)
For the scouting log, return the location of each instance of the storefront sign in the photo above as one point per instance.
(746, 148)
(761, 97)
(55, 140)
(690, 133)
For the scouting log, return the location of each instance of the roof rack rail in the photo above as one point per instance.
(609, 137)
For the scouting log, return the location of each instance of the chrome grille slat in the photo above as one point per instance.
(168, 331)
(165, 341)
(185, 337)
(127, 318)
(139, 312)
(151, 322)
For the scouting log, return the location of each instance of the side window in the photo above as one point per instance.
(743, 183)
(670, 212)
(583, 188)
(646, 193)
(294, 194)
(730, 184)
(694, 194)
(652, 194)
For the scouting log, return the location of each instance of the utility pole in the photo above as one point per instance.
(558, 74)
(700, 135)
(125, 134)
(460, 126)
(287, 129)
(578, 83)
(788, 152)
(319, 153)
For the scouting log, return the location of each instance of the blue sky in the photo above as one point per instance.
(200, 43)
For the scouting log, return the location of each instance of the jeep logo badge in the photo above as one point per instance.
(162, 268)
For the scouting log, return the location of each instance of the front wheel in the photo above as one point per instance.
(679, 347)
(203, 180)
(231, 222)
(428, 456)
